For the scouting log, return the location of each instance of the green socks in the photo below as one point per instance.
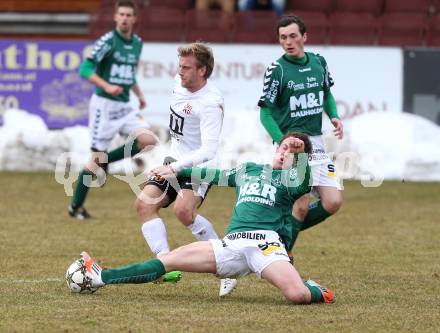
(315, 292)
(118, 153)
(144, 272)
(293, 228)
(85, 177)
(82, 187)
(316, 215)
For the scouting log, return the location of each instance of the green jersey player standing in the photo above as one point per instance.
(111, 67)
(264, 196)
(296, 92)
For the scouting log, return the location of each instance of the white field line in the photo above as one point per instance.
(31, 281)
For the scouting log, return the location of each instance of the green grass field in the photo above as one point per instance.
(380, 254)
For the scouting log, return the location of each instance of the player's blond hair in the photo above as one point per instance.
(202, 53)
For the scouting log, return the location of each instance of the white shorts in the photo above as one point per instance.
(323, 168)
(108, 118)
(241, 253)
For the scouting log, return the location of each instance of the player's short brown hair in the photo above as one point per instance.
(303, 137)
(126, 3)
(202, 53)
(286, 20)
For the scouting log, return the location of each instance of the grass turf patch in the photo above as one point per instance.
(379, 254)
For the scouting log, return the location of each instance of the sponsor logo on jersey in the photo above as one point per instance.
(306, 101)
(318, 154)
(273, 91)
(234, 170)
(331, 170)
(306, 104)
(132, 58)
(312, 85)
(176, 124)
(187, 109)
(257, 193)
(302, 70)
(295, 86)
(267, 247)
(293, 173)
(270, 93)
(276, 180)
(312, 82)
(118, 56)
(100, 50)
(127, 58)
(306, 113)
(119, 113)
(121, 74)
(246, 235)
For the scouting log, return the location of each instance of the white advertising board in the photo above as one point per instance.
(367, 79)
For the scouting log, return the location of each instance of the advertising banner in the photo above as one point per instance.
(367, 79)
(42, 77)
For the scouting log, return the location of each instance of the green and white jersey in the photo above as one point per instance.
(295, 93)
(264, 196)
(116, 59)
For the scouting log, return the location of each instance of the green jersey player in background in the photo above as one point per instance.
(264, 197)
(296, 92)
(111, 67)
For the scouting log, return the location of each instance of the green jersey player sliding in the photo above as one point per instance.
(252, 244)
(295, 94)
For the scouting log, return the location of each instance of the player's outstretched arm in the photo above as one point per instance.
(211, 176)
(140, 95)
(87, 71)
(332, 112)
(197, 175)
(270, 124)
(301, 183)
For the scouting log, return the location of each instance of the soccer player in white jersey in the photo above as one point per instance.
(196, 117)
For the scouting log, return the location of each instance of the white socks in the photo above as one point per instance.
(156, 236)
(202, 229)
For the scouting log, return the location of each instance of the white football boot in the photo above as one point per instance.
(93, 270)
(227, 285)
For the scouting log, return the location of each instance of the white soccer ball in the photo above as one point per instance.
(76, 279)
